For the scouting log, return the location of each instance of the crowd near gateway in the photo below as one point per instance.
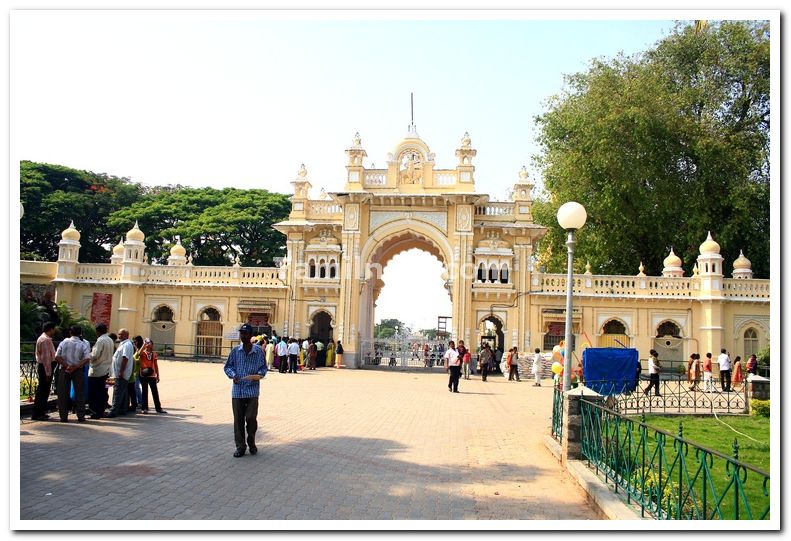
(337, 244)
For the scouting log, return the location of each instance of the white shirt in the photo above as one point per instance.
(293, 348)
(74, 350)
(305, 345)
(452, 357)
(537, 358)
(725, 361)
(125, 349)
(652, 366)
(101, 357)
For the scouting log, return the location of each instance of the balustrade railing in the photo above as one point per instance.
(444, 178)
(187, 274)
(495, 210)
(375, 178)
(668, 476)
(323, 208)
(98, 271)
(746, 288)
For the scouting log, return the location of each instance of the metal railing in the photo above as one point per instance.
(557, 413)
(676, 395)
(668, 476)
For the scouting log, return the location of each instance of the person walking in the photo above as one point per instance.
(293, 356)
(724, 361)
(72, 354)
(485, 359)
(101, 361)
(338, 354)
(312, 354)
(269, 353)
(653, 373)
(465, 359)
(708, 384)
(693, 371)
(537, 360)
(738, 376)
(453, 366)
(135, 391)
(513, 365)
(330, 361)
(121, 371)
(246, 367)
(282, 355)
(149, 376)
(45, 361)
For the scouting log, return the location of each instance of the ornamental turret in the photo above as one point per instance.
(134, 257)
(355, 172)
(522, 195)
(178, 254)
(118, 252)
(465, 153)
(68, 251)
(302, 188)
(672, 265)
(710, 267)
(742, 267)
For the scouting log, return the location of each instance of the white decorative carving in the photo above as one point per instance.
(679, 318)
(437, 219)
(626, 317)
(463, 221)
(739, 322)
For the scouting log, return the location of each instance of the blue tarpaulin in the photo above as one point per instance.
(610, 371)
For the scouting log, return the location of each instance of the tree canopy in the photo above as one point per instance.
(214, 225)
(661, 148)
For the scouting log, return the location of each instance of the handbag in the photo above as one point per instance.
(147, 372)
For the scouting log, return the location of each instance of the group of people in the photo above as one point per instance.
(84, 374)
(731, 372)
(291, 355)
(458, 363)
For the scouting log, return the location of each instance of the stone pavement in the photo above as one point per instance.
(333, 444)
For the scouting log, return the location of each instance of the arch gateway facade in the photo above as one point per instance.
(338, 245)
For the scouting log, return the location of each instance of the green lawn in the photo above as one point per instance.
(710, 433)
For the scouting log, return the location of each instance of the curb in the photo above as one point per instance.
(609, 504)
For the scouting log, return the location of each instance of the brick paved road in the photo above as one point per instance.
(333, 444)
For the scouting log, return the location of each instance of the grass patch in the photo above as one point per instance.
(710, 433)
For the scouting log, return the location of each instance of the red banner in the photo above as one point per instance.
(101, 308)
(556, 329)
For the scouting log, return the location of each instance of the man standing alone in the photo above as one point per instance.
(101, 361)
(453, 365)
(72, 354)
(122, 372)
(725, 370)
(246, 367)
(45, 357)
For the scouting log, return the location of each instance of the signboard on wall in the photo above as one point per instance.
(556, 329)
(101, 308)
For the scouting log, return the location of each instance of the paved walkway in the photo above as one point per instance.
(333, 444)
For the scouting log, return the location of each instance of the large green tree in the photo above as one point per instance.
(661, 148)
(53, 195)
(214, 225)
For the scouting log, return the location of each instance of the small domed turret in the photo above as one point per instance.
(709, 246)
(672, 260)
(118, 249)
(135, 234)
(178, 250)
(70, 233)
(742, 262)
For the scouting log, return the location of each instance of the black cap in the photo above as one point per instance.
(246, 328)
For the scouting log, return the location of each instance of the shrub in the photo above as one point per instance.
(760, 407)
(763, 357)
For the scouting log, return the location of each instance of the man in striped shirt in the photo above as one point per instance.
(246, 367)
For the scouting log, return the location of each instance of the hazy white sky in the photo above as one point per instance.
(209, 98)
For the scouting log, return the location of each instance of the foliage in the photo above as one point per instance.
(760, 407)
(54, 195)
(430, 334)
(215, 225)
(661, 491)
(661, 148)
(763, 356)
(31, 317)
(68, 318)
(387, 328)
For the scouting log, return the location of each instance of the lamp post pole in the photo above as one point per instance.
(569, 307)
(571, 217)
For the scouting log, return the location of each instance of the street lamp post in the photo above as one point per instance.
(571, 216)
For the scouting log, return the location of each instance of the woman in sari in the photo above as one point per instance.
(330, 354)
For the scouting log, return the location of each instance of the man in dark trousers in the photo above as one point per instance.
(246, 366)
(45, 360)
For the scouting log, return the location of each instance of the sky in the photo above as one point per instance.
(210, 98)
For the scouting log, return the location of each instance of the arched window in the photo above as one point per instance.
(163, 313)
(504, 274)
(493, 273)
(668, 328)
(750, 342)
(208, 341)
(614, 327)
(713, 267)
(312, 268)
(333, 268)
(322, 269)
(481, 273)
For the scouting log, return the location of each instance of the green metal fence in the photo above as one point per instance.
(557, 413)
(668, 476)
